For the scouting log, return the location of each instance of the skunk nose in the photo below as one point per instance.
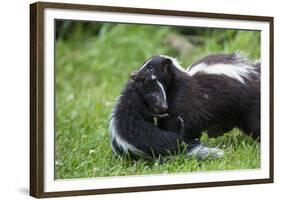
(133, 75)
(164, 107)
(137, 76)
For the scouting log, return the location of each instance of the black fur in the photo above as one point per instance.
(132, 119)
(208, 101)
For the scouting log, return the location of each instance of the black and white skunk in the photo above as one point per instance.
(217, 93)
(132, 129)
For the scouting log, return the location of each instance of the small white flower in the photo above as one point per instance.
(70, 97)
(108, 103)
(92, 151)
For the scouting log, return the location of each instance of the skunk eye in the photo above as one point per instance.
(149, 69)
(152, 95)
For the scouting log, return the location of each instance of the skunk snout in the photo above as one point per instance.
(133, 75)
(161, 108)
(137, 76)
(164, 107)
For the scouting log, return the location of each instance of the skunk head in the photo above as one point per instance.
(153, 78)
(152, 91)
(161, 67)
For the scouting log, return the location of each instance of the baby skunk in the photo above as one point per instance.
(132, 129)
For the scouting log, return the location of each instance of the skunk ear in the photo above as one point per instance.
(166, 63)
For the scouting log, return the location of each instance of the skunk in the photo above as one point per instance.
(217, 93)
(132, 129)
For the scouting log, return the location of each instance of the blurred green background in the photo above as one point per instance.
(93, 61)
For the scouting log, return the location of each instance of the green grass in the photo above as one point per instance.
(90, 73)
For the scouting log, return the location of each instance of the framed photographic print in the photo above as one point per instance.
(130, 99)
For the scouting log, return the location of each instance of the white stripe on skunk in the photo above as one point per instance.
(114, 135)
(145, 63)
(175, 63)
(239, 71)
(162, 89)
